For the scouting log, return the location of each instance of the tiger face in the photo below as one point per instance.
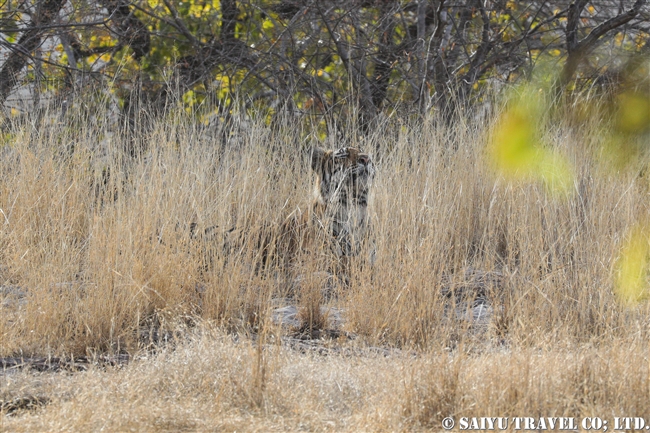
(343, 180)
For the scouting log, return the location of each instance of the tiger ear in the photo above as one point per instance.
(317, 156)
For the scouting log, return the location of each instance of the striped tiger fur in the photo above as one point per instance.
(336, 221)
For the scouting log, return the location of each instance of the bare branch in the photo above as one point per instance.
(46, 12)
(589, 42)
(577, 50)
(180, 26)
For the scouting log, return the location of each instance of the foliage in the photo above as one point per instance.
(328, 59)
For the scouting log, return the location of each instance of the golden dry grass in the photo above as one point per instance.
(214, 384)
(95, 252)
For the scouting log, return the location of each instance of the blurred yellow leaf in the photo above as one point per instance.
(516, 150)
(514, 143)
(632, 266)
(633, 114)
(555, 171)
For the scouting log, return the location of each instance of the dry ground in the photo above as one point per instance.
(96, 258)
(211, 383)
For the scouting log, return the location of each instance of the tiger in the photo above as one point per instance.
(336, 222)
(336, 226)
(341, 195)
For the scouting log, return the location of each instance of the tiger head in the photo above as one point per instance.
(343, 180)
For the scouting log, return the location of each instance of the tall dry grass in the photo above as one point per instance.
(96, 251)
(99, 242)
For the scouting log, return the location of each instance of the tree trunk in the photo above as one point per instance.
(46, 12)
(578, 49)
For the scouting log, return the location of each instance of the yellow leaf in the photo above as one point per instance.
(631, 273)
(196, 10)
(633, 114)
(516, 151)
(619, 39)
